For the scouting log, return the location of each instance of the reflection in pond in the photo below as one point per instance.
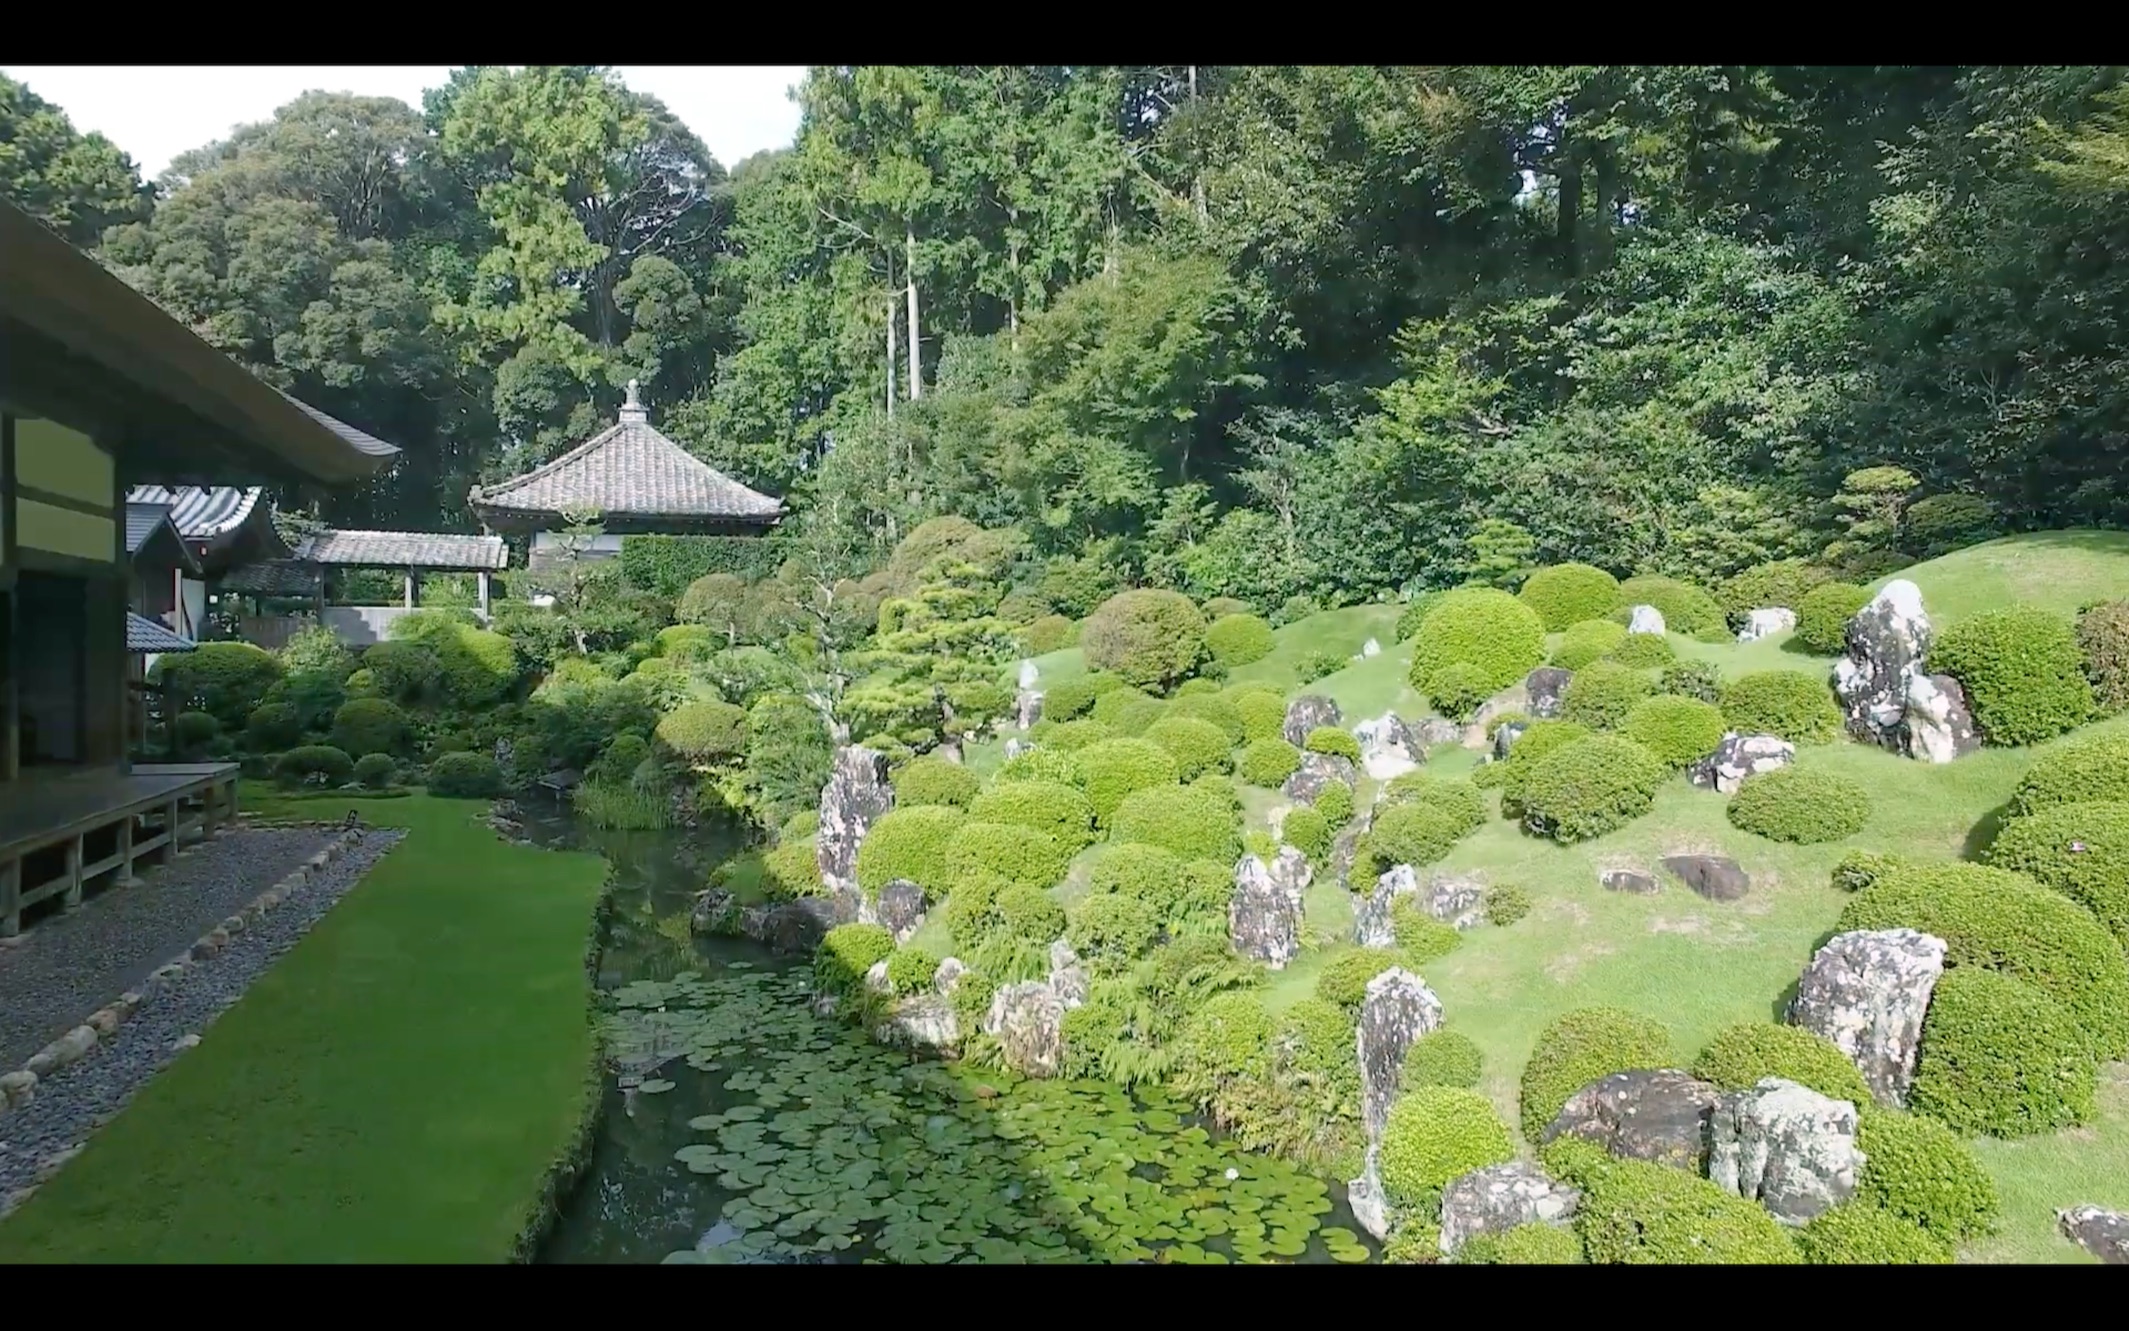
(741, 1127)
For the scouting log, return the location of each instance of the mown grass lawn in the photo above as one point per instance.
(395, 1089)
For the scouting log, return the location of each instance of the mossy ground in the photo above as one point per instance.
(395, 1089)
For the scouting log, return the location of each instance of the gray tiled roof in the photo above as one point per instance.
(362, 443)
(405, 549)
(629, 469)
(141, 522)
(145, 635)
(272, 577)
(201, 512)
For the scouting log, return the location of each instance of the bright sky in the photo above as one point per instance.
(155, 112)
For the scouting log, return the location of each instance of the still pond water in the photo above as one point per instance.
(742, 1128)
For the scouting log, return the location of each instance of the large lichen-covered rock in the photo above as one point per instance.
(786, 926)
(1398, 1009)
(1346, 845)
(2103, 1233)
(1504, 737)
(1317, 773)
(1737, 757)
(1886, 643)
(1497, 1198)
(1388, 748)
(1067, 976)
(921, 1022)
(1264, 914)
(856, 797)
(1305, 714)
(1027, 1020)
(1659, 1115)
(1456, 900)
(1546, 688)
(1939, 724)
(1787, 1147)
(901, 909)
(1766, 623)
(1715, 877)
(1867, 992)
(1371, 922)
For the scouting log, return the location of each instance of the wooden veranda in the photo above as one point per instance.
(60, 834)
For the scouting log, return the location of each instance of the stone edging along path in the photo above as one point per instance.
(19, 1088)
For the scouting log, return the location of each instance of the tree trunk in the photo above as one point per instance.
(890, 348)
(1570, 212)
(1197, 175)
(916, 341)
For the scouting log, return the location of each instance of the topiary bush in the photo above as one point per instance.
(1999, 1056)
(1781, 584)
(933, 780)
(270, 728)
(1540, 740)
(1740, 1055)
(1917, 1169)
(1692, 679)
(1238, 640)
(1049, 633)
(465, 776)
(2090, 769)
(1047, 764)
(705, 731)
(1215, 708)
(1331, 740)
(908, 843)
(2080, 850)
(1506, 904)
(1458, 690)
(1228, 1040)
(1941, 523)
(1073, 697)
(369, 725)
(1531, 1244)
(1455, 796)
(1414, 834)
(1434, 1136)
(1443, 1058)
(194, 731)
(1796, 706)
(910, 969)
(1995, 919)
(1070, 736)
(1603, 693)
(403, 671)
(1577, 1048)
(2103, 638)
(1801, 806)
(1336, 805)
(374, 770)
(1028, 913)
(1114, 704)
(1644, 651)
(1590, 787)
(1110, 931)
(1420, 937)
(1590, 640)
(2022, 670)
(1481, 627)
(846, 952)
(1219, 607)
(1858, 869)
(1646, 1214)
(1197, 746)
(1679, 731)
(1020, 855)
(224, 679)
(1857, 1235)
(1686, 608)
(1192, 821)
(314, 764)
(1308, 831)
(1263, 713)
(1116, 767)
(1565, 594)
(1180, 891)
(1056, 810)
(1148, 637)
(1267, 763)
(1343, 981)
(1822, 616)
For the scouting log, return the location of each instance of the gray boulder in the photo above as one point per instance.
(1015, 747)
(1435, 730)
(1371, 647)
(1766, 623)
(2103, 1233)
(1264, 915)
(1067, 976)
(1547, 688)
(1388, 748)
(1939, 724)
(1659, 1115)
(1628, 880)
(1513, 699)
(1886, 644)
(1498, 1198)
(1346, 844)
(1867, 992)
(1787, 1147)
(1504, 738)
(1371, 921)
(856, 796)
(923, 1022)
(1398, 1009)
(1306, 713)
(1716, 877)
(1027, 708)
(1291, 874)
(947, 978)
(1027, 1020)
(1319, 772)
(1456, 900)
(901, 908)
(1645, 619)
(1737, 757)
(1370, 1205)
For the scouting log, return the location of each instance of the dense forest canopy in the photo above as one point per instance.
(1263, 332)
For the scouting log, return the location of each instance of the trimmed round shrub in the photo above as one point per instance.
(1333, 741)
(910, 969)
(1263, 714)
(1109, 931)
(1220, 607)
(2090, 769)
(1541, 740)
(1196, 685)
(1028, 913)
(1580, 1046)
(1055, 810)
(1919, 1170)
(1679, 731)
(1700, 680)
(1216, 709)
(1147, 637)
(1043, 764)
(2080, 850)
(1267, 763)
(1792, 704)
(1644, 651)
(1590, 640)
(1421, 937)
(1858, 1235)
(1343, 981)
(1858, 869)
(1740, 1055)
(1228, 1040)
(1565, 594)
(369, 725)
(1197, 746)
(1999, 1056)
(1336, 805)
(326, 764)
(1062, 702)
(1805, 807)
(1506, 904)
(704, 732)
(1590, 787)
(1533, 1244)
(1019, 854)
(403, 670)
(1822, 616)
(1436, 1135)
(226, 679)
(2022, 670)
(1179, 890)
(270, 728)
(1653, 1215)
(468, 776)
(1481, 627)
(1308, 831)
(2103, 638)
(1116, 767)
(1686, 608)
(792, 869)
(1192, 821)
(1602, 693)
(1415, 614)
(1049, 633)
(846, 952)
(1781, 584)
(194, 730)
(374, 770)
(315, 697)
(1456, 796)
(1414, 834)
(933, 781)
(1072, 736)
(1941, 523)
(971, 908)
(1458, 690)
(1237, 640)
(1112, 706)
(1443, 1058)
(1998, 920)
(908, 843)
(1317, 663)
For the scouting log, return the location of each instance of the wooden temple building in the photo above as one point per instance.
(101, 391)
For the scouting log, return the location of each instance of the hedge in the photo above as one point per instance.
(933, 780)
(1856, 1235)
(704, 731)
(1541, 739)
(1917, 1169)
(1579, 1047)
(1796, 706)
(1263, 714)
(1043, 763)
(1739, 1056)
(1434, 1136)
(1565, 594)
(1414, 834)
(2103, 638)
(374, 771)
(271, 727)
(2022, 670)
(667, 564)
(1481, 627)
(403, 671)
(226, 679)
(1822, 616)
(1796, 805)
(1686, 608)
(1116, 767)
(1590, 787)
(2090, 769)
(1197, 746)
(1679, 731)
(1148, 637)
(908, 843)
(1590, 640)
(465, 776)
(1459, 689)
(1192, 821)
(1639, 1213)
(369, 725)
(1056, 810)
(1238, 640)
(1267, 763)
(1021, 855)
(1110, 931)
(2080, 850)
(1464, 802)
(846, 953)
(298, 765)
(2001, 1057)
(1443, 1058)
(1602, 694)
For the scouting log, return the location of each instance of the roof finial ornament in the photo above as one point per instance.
(633, 409)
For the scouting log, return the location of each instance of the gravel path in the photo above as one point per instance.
(75, 1100)
(67, 966)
